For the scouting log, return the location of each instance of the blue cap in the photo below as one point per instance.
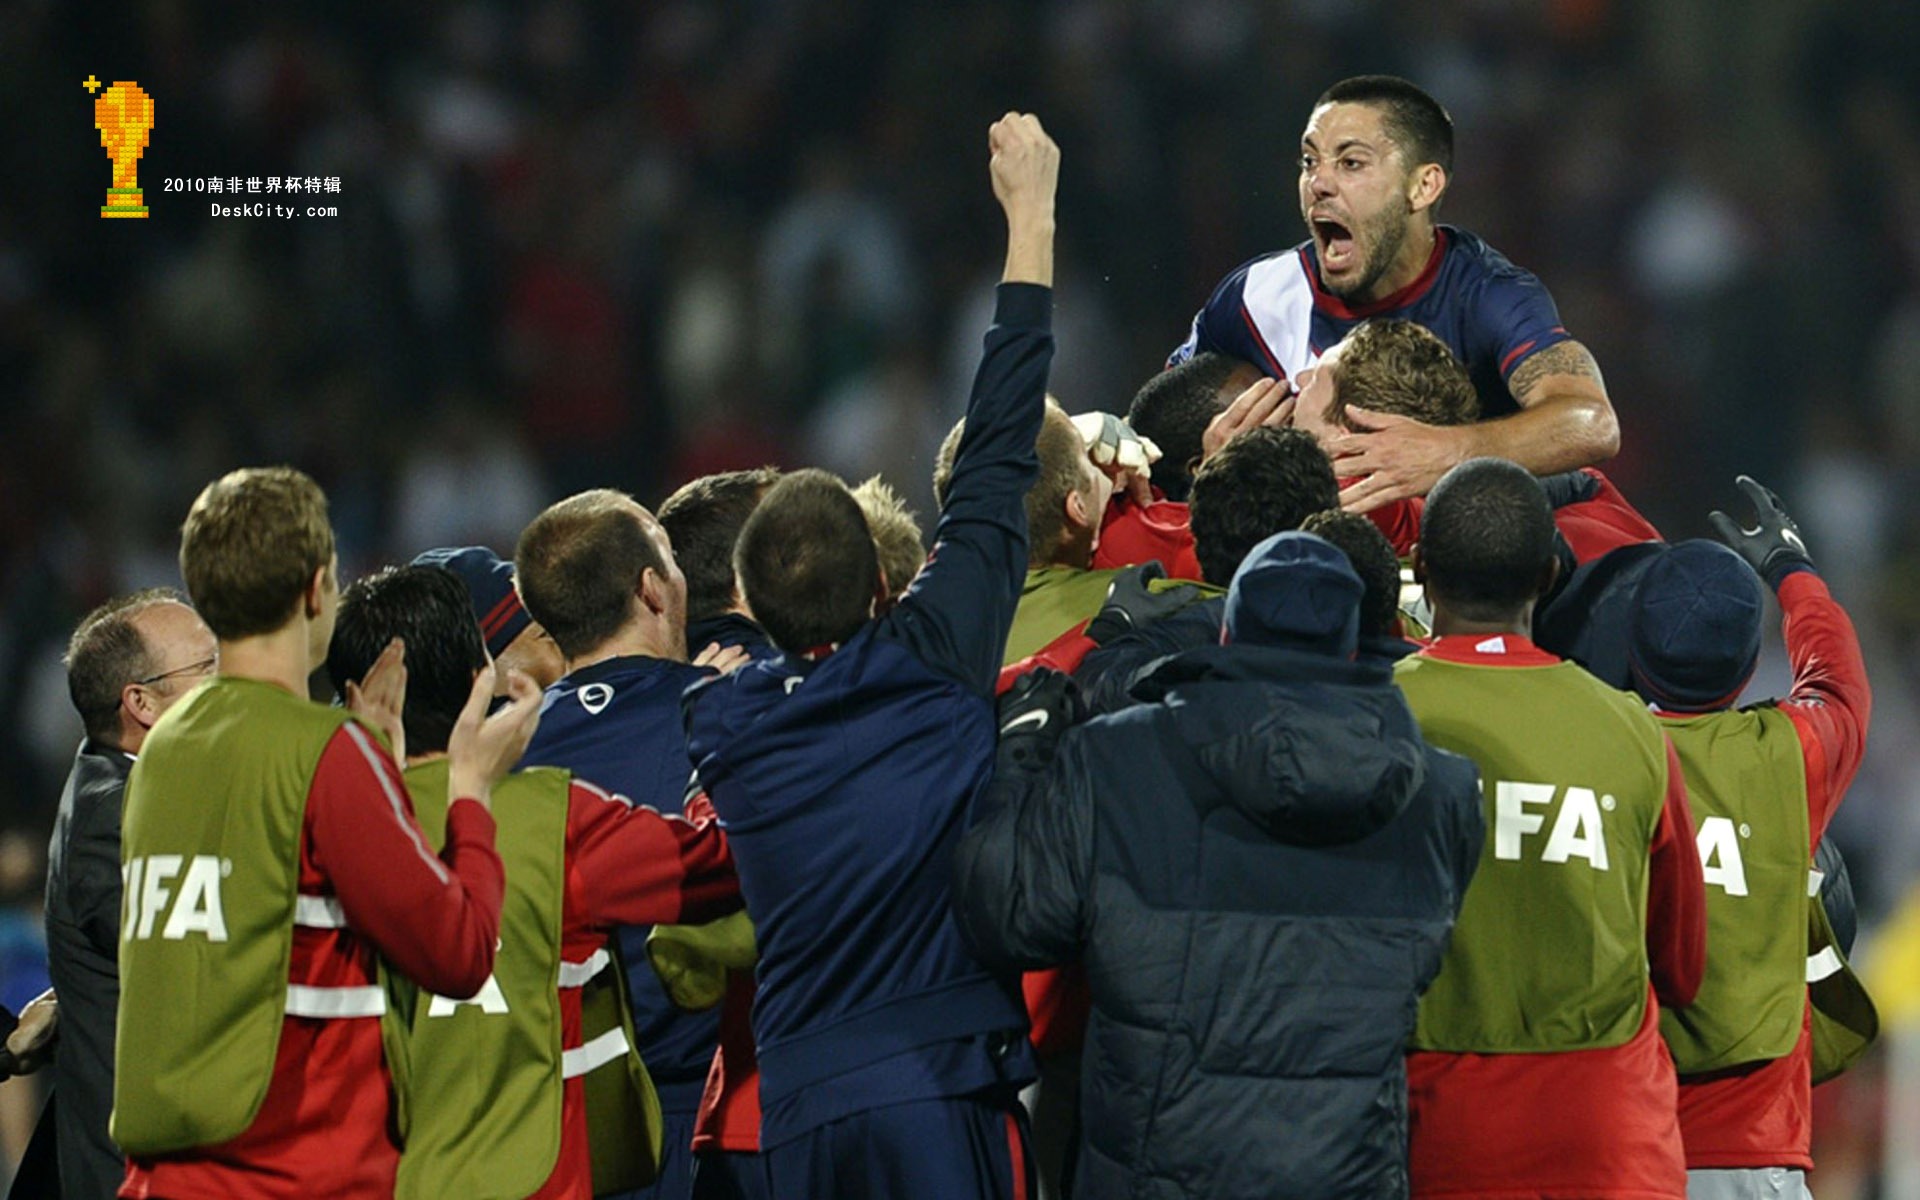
(1694, 636)
(489, 580)
(1295, 589)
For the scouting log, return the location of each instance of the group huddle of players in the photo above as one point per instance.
(1319, 781)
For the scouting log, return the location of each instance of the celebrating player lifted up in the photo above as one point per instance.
(1375, 161)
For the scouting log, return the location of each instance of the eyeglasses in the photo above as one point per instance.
(203, 667)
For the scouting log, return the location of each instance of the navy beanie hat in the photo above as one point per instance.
(489, 580)
(1694, 636)
(1295, 589)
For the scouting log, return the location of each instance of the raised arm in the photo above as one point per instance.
(960, 607)
(1831, 703)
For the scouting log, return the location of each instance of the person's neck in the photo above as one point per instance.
(279, 658)
(414, 760)
(628, 643)
(1414, 256)
(1447, 624)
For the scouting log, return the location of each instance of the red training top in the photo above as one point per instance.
(1589, 1123)
(370, 887)
(625, 866)
(1761, 1115)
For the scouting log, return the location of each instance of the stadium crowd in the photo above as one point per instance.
(1321, 757)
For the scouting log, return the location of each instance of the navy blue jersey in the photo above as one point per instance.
(617, 724)
(844, 785)
(1273, 313)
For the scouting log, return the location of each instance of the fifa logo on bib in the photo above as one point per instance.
(1520, 812)
(185, 891)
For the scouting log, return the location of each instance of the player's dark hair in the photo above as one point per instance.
(1064, 470)
(1414, 120)
(703, 521)
(1373, 561)
(428, 608)
(1174, 408)
(105, 654)
(1486, 539)
(1263, 482)
(578, 565)
(807, 563)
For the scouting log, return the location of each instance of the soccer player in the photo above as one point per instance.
(1174, 408)
(1064, 508)
(1763, 780)
(1375, 161)
(129, 661)
(1537, 1067)
(889, 1055)
(270, 857)
(702, 521)
(598, 571)
(496, 1083)
(1258, 866)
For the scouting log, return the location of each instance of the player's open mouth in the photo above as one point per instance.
(1336, 246)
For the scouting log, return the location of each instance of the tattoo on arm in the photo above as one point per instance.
(1567, 358)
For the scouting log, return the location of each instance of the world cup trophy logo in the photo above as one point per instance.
(124, 116)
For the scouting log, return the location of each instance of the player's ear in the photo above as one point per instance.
(652, 591)
(1425, 185)
(1418, 562)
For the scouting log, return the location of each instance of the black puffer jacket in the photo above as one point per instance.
(1260, 868)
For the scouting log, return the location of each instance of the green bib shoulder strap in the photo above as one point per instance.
(210, 853)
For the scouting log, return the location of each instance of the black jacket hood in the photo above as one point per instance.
(1314, 750)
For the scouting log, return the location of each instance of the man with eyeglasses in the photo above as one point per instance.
(128, 662)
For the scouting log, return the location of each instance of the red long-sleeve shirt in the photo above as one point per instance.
(1602, 522)
(323, 1129)
(626, 865)
(1131, 534)
(1592, 1123)
(1761, 1115)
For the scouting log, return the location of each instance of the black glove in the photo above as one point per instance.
(1773, 549)
(1035, 713)
(1132, 602)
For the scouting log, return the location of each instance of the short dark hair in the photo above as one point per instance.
(577, 565)
(1415, 121)
(703, 521)
(1175, 407)
(1392, 365)
(105, 654)
(429, 609)
(249, 548)
(1263, 482)
(1064, 468)
(1373, 561)
(807, 562)
(1486, 538)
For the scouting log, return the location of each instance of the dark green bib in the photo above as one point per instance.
(1549, 952)
(210, 853)
(1747, 787)
(479, 1079)
(1054, 600)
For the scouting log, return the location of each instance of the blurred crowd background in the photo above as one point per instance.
(585, 244)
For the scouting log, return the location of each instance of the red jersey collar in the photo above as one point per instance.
(1334, 306)
(1489, 650)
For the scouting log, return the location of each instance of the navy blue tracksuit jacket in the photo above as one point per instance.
(844, 785)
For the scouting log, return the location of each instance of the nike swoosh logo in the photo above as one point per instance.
(1035, 721)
